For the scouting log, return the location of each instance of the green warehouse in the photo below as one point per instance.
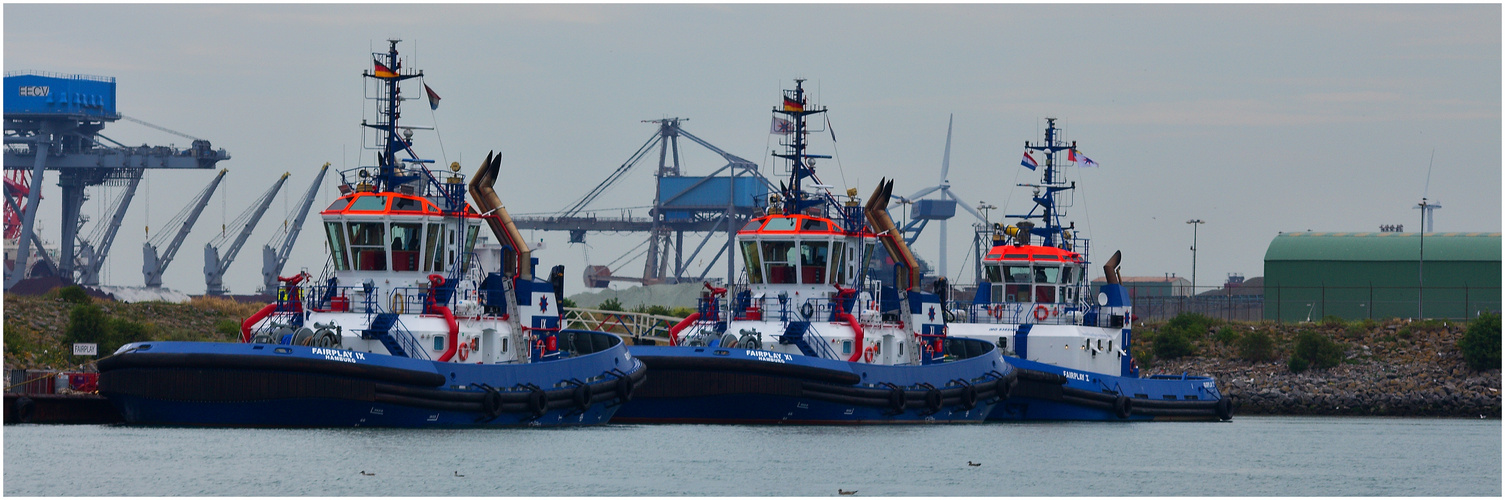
(1310, 275)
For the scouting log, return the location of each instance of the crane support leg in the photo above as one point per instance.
(29, 219)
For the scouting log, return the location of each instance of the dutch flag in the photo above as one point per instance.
(1029, 161)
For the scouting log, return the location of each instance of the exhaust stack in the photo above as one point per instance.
(1110, 268)
(876, 210)
(501, 223)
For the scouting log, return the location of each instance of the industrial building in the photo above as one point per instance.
(1312, 275)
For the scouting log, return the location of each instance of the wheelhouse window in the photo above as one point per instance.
(337, 246)
(778, 256)
(754, 264)
(994, 273)
(433, 250)
(780, 224)
(405, 245)
(1017, 279)
(370, 203)
(1045, 279)
(368, 246)
(470, 244)
(838, 264)
(814, 258)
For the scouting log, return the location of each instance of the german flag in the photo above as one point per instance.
(792, 105)
(381, 70)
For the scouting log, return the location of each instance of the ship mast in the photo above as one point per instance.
(1051, 231)
(794, 106)
(388, 72)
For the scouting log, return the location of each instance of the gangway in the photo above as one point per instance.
(155, 264)
(94, 249)
(216, 264)
(275, 253)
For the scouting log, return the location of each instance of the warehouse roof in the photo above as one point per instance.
(1313, 246)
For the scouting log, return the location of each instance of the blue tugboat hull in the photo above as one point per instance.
(1049, 392)
(742, 386)
(267, 385)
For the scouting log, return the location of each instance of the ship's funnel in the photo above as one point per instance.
(876, 210)
(518, 260)
(1110, 268)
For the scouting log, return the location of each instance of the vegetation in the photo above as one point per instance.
(1177, 338)
(74, 294)
(39, 330)
(1257, 346)
(1315, 350)
(611, 304)
(565, 302)
(1226, 335)
(1481, 342)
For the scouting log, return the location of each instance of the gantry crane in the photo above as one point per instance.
(275, 253)
(155, 264)
(215, 263)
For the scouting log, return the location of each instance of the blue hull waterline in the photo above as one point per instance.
(260, 385)
(1049, 392)
(742, 386)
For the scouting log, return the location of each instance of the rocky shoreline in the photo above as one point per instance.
(1390, 370)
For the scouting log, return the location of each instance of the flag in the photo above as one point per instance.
(829, 129)
(792, 105)
(1029, 161)
(382, 71)
(433, 98)
(781, 126)
(1078, 157)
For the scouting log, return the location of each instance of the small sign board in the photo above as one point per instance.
(85, 349)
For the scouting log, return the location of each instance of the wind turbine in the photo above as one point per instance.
(937, 209)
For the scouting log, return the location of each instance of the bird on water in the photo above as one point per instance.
(845, 492)
(974, 464)
(458, 474)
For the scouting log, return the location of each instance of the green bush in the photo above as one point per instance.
(1296, 365)
(566, 303)
(1317, 350)
(1172, 344)
(1257, 346)
(611, 304)
(227, 327)
(1193, 324)
(74, 294)
(1481, 342)
(657, 310)
(87, 323)
(1226, 335)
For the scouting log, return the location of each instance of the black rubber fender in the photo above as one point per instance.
(896, 399)
(1225, 409)
(1122, 407)
(933, 400)
(491, 403)
(624, 389)
(582, 396)
(538, 402)
(969, 397)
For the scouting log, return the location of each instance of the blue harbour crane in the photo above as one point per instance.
(53, 122)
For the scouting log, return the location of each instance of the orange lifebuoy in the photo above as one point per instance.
(996, 310)
(1041, 313)
(1055, 311)
(464, 350)
(868, 355)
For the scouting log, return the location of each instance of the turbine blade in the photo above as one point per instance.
(946, 160)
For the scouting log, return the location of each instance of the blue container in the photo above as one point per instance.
(684, 193)
(37, 93)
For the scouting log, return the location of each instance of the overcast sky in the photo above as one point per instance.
(1257, 119)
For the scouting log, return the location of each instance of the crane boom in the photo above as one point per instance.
(96, 250)
(274, 255)
(216, 265)
(153, 264)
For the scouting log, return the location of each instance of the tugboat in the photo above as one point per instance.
(405, 328)
(812, 337)
(1073, 352)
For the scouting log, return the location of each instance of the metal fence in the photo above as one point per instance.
(1293, 304)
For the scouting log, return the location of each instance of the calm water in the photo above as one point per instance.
(1249, 456)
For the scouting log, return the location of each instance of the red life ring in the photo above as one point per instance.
(996, 310)
(464, 350)
(1055, 311)
(868, 355)
(1041, 313)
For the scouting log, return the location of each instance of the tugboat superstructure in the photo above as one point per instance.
(811, 337)
(1073, 350)
(405, 327)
